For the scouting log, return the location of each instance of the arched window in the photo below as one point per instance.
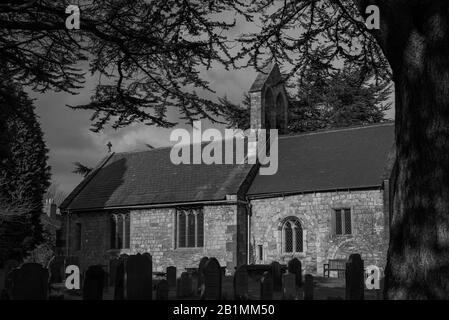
(190, 227)
(120, 228)
(292, 236)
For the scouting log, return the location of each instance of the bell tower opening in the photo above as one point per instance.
(269, 102)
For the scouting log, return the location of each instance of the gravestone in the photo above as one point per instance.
(94, 283)
(308, 287)
(29, 282)
(162, 290)
(56, 270)
(355, 278)
(212, 274)
(288, 286)
(241, 283)
(139, 277)
(185, 284)
(294, 267)
(276, 273)
(171, 276)
(119, 283)
(266, 286)
(201, 266)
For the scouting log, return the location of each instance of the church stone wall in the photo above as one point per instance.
(369, 232)
(153, 231)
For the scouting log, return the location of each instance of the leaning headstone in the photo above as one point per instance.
(139, 277)
(171, 276)
(29, 282)
(212, 280)
(294, 267)
(266, 286)
(355, 278)
(185, 285)
(94, 283)
(288, 286)
(308, 287)
(201, 266)
(241, 283)
(276, 273)
(162, 290)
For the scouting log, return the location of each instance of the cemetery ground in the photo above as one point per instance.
(132, 278)
(325, 289)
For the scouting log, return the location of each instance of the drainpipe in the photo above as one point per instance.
(248, 230)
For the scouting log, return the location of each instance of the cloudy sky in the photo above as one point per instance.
(67, 131)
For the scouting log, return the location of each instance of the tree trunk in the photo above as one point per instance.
(417, 46)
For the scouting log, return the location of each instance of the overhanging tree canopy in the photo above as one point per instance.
(154, 50)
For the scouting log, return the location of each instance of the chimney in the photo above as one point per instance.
(51, 208)
(269, 103)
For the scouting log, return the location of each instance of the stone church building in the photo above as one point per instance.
(328, 199)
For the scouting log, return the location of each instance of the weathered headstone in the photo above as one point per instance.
(266, 286)
(185, 284)
(308, 287)
(355, 278)
(289, 286)
(241, 283)
(276, 273)
(139, 277)
(201, 266)
(171, 276)
(212, 275)
(29, 282)
(294, 267)
(94, 283)
(162, 290)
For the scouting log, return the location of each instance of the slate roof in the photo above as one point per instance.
(149, 177)
(340, 159)
(351, 158)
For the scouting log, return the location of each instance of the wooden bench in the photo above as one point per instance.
(338, 265)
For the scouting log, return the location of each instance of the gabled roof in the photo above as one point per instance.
(350, 158)
(149, 178)
(270, 75)
(341, 159)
